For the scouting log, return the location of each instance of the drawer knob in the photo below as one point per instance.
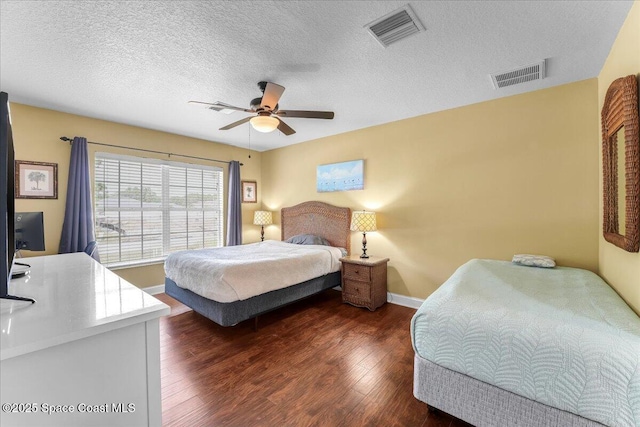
(356, 271)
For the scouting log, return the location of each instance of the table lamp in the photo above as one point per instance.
(363, 221)
(262, 218)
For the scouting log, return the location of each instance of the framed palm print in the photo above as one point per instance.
(249, 192)
(36, 180)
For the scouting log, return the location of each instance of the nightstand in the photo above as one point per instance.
(364, 281)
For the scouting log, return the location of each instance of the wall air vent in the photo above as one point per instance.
(519, 75)
(395, 26)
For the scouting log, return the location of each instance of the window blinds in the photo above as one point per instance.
(148, 208)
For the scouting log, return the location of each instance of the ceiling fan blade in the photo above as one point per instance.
(238, 123)
(285, 128)
(306, 114)
(271, 96)
(220, 106)
(231, 107)
(199, 102)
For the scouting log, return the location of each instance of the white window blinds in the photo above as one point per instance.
(148, 208)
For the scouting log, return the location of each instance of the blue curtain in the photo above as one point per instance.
(77, 229)
(234, 215)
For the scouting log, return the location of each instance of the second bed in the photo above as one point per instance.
(502, 344)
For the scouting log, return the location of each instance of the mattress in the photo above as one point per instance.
(557, 336)
(237, 273)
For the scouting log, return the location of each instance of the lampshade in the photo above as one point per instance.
(363, 221)
(264, 123)
(262, 218)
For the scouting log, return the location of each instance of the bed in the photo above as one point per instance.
(502, 344)
(323, 220)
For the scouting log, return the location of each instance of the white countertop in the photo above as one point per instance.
(76, 297)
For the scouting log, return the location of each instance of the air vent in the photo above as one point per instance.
(395, 26)
(519, 75)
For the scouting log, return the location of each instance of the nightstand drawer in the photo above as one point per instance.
(352, 288)
(357, 272)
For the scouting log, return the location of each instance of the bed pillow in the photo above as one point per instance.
(534, 260)
(308, 239)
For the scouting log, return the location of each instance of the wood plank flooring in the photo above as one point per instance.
(317, 362)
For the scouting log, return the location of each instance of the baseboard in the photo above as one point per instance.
(404, 301)
(153, 290)
(398, 299)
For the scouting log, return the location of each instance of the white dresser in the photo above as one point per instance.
(87, 353)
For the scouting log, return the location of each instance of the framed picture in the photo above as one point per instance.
(36, 180)
(343, 176)
(249, 192)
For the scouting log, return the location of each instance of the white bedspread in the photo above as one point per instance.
(235, 273)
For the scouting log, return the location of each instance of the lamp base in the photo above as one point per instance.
(262, 233)
(364, 246)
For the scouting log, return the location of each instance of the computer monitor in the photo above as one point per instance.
(29, 231)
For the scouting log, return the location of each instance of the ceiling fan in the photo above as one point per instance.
(268, 116)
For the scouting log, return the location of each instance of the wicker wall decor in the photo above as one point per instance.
(620, 110)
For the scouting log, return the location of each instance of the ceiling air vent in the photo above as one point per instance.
(519, 75)
(395, 26)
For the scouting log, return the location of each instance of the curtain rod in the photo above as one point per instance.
(70, 141)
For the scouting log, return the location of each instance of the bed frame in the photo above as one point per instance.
(483, 404)
(321, 219)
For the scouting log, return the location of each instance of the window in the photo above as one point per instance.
(147, 208)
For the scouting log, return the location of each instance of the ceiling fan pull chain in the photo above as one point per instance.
(249, 141)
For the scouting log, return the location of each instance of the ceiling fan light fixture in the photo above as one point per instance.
(264, 123)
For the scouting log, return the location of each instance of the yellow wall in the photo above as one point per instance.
(618, 267)
(36, 135)
(513, 175)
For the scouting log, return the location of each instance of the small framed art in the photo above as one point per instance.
(249, 192)
(344, 176)
(36, 180)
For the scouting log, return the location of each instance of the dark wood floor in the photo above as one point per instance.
(314, 363)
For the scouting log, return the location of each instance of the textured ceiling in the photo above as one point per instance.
(139, 62)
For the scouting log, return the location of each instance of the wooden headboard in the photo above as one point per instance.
(321, 219)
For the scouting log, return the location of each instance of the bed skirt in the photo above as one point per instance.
(482, 404)
(231, 313)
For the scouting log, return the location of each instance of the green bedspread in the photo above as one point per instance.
(558, 336)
